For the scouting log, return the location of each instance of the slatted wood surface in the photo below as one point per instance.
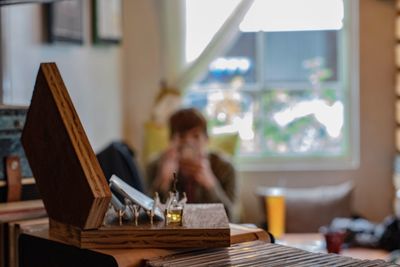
(19, 210)
(259, 253)
(204, 225)
(68, 175)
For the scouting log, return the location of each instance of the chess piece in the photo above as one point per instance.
(117, 205)
(156, 203)
(120, 215)
(134, 209)
(150, 213)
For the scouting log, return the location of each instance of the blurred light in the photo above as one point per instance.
(293, 15)
(245, 126)
(200, 31)
(329, 116)
(230, 65)
(221, 116)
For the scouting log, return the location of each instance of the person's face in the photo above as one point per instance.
(195, 138)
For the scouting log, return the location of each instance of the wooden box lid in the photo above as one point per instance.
(68, 175)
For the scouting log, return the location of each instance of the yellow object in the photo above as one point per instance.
(226, 143)
(174, 210)
(275, 212)
(174, 216)
(155, 140)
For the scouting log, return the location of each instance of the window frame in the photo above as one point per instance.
(348, 62)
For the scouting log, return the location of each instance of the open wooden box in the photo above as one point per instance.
(75, 192)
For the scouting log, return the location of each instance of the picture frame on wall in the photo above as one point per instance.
(65, 21)
(107, 21)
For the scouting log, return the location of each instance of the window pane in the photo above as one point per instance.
(237, 65)
(300, 122)
(196, 99)
(285, 123)
(199, 31)
(283, 88)
(286, 53)
(293, 15)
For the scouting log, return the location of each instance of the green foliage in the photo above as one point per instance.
(277, 134)
(329, 95)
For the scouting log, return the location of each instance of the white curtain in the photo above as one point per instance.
(178, 74)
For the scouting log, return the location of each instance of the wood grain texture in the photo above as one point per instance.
(21, 210)
(204, 225)
(68, 175)
(131, 257)
(243, 233)
(14, 177)
(259, 253)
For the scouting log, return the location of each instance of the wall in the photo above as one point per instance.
(374, 190)
(141, 67)
(91, 74)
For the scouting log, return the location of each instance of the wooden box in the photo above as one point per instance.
(75, 192)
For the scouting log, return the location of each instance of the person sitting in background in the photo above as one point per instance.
(206, 177)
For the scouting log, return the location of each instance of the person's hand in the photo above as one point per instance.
(199, 169)
(169, 163)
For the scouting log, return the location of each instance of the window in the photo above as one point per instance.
(284, 85)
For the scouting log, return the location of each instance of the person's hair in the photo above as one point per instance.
(186, 119)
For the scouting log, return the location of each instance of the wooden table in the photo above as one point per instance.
(38, 249)
(315, 242)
